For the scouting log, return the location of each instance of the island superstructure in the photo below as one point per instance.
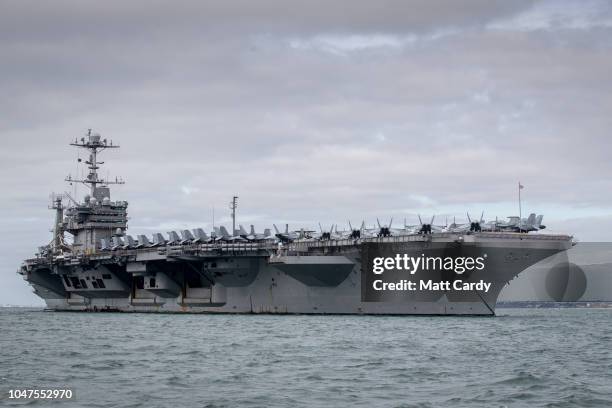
(102, 268)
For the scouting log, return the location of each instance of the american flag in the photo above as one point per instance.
(521, 186)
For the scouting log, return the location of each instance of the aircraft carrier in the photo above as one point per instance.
(92, 264)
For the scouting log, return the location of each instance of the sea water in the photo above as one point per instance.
(522, 357)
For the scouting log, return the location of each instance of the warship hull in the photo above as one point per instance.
(309, 277)
(583, 274)
(102, 268)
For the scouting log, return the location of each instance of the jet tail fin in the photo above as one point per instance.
(130, 242)
(117, 242)
(224, 232)
(158, 239)
(173, 237)
(200, 234)
(187, 235)
(531, 220)
(143, 240)
(538, 222)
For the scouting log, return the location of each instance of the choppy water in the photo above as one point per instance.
(548, 358)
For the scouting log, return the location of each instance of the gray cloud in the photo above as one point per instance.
(309, 111)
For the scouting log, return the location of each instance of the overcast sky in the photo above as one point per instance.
(309, 111)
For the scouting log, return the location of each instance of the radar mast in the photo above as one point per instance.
(96, 220)
(95, 145)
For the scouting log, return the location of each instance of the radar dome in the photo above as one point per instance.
(93, 201)
(106, 201)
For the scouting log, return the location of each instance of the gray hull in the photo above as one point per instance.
(581, 274)
(303, 278)
(103, 268)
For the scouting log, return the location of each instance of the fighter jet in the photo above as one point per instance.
(326, 235)
(158, 239)
(288, 236)
(220, 234)
(117, 243)
(173, 238)
(129, 242)
(538, 222)
(533, 223)
(516, 224)
(385, 230)
(225, 236)
(187, 237)
(357, 233)
(471, 226)
(422, 227)
(143, 242)
(254, 236)
(200, 236)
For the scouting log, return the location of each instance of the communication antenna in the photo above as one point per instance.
(58, 229)
(95, 145)
(233, 206)
(77, 173)
(520, 187)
